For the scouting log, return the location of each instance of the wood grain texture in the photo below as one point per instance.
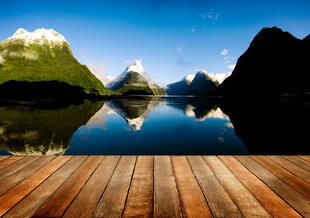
(56, 205)
(286, 192)
(192, 199)
(16, 166)
(271, 201)
(154, 186)
(293, 168)
(3, 157)
(20, 175)
(219, 201)
(14, 195)
(305, 157)
(28, 206)
(299, 161)
(166, 198)
(86, 201)
(297, 183)
(114, 197)
(140, 197)
(246, 202)
(6, 161)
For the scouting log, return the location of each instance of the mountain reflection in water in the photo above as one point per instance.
(142, 125)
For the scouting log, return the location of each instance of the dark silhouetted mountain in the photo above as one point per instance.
(275, 63)
(201, 84)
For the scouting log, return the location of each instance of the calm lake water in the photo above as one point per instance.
(134, 126)
(120, 126)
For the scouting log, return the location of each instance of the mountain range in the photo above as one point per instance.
(42, 63)
(200, 84)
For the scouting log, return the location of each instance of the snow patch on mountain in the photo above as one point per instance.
(220, 77)
(39, 36)
(134, 66)
(189, 78)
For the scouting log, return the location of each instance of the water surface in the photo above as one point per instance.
(140, 125)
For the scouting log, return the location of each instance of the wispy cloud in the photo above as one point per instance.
(179, 49)
(99, 70)
(224, 51)
(193, 29)
(181, 61)
(210, 15)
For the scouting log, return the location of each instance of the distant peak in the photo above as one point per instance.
(20, 31)
(39, 36)
(201, 72)
(135, 66)
(189, 78)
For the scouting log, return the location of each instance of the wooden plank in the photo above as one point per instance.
(192, 199)
(286, 192)
(246, 202)
(20, 175)
(305, 157)
(271, 201)
(14, 195)
(17, 165)
(113, 199)
(299, 161)
(297, 183)
(28, 206)
(219, 201)
(3, 157)
(140, 197)
(166, 198)
(293, 168)
(7, 161)
(86, 201)
(56, 205)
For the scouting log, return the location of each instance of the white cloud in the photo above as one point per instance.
(231, 66)
(179, 49)
(193, 29)
(213, 16)
(98, 69)
(210, 15)
(224, 51)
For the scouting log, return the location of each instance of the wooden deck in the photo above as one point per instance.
(155, 186)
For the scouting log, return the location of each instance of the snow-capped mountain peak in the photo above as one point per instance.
(135, 66)
(39, 36)
(189, 78)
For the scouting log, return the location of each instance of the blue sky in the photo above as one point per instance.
(172, 38)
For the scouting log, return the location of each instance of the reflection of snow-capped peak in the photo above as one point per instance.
(213, 113)
(39, 36)
(100, 117)
(217, 113)
(189, 111)
(135, 123)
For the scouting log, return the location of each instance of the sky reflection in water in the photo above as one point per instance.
(120, 126)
